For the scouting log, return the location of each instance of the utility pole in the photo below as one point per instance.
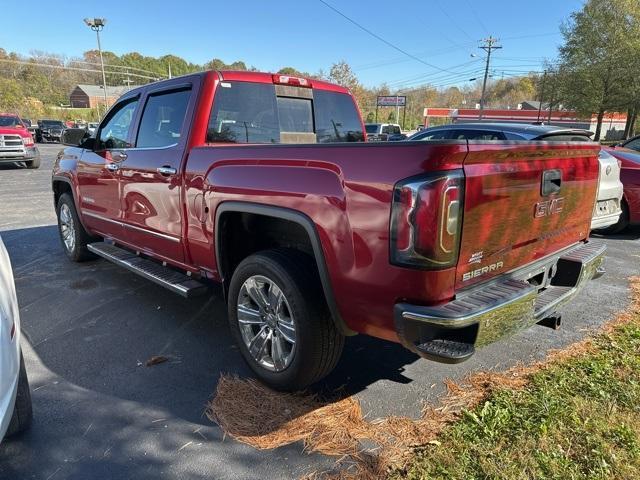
(128, 80)
(488, 45)
(541, 96)
(97, 24)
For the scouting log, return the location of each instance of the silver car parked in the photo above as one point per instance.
(608, 205)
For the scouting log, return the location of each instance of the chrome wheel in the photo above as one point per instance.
(266, 323)
(67, 227)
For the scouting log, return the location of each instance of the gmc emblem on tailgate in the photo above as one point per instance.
(549, 207)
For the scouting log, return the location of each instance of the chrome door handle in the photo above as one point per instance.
(118, 156)
(112, 167)
(166, 171)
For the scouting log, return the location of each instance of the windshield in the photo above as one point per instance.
(372, 127)
(564, 137)
(51, 123)
(10, 122)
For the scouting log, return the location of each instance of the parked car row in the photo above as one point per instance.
(384, 132)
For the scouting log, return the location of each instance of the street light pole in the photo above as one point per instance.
(97, 24)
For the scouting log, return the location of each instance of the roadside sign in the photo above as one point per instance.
(392, 101)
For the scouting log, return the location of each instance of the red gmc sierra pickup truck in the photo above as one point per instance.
(263, 183)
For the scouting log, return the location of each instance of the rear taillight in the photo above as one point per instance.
(426, 220)
(27, 141)
(289, 80)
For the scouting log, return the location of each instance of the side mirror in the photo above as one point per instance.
(74, 136)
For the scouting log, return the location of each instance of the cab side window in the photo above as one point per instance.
(115, 131)
(163, 118)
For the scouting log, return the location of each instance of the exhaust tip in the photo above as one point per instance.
(553, 321)
(600, 271)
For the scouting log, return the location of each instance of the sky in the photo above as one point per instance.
(422, 41)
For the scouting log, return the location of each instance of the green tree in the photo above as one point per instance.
(11, 95)
(600, 40)
(342, 74)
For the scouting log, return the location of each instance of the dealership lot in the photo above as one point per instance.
(100, 412)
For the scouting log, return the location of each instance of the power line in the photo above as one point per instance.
(428, 75)
(433, 53)
(453, 22)
(74, 61)
(378, 37)
(475, 14)
(78, 69)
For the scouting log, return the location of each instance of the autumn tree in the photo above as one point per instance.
(600, 42)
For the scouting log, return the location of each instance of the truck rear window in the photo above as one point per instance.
(245, 112)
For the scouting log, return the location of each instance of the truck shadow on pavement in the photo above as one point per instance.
(630, 233)
(92, 327)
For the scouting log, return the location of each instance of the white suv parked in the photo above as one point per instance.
(15, 397)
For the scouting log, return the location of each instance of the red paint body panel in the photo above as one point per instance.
(20, 129)
(346, 190)
(502, 188)
(630, 178)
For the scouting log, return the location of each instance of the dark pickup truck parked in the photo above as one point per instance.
(50, 130)
(263, 183)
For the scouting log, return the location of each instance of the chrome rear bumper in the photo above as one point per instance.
(485, 313)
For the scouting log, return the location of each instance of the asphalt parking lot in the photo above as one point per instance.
(100, 413)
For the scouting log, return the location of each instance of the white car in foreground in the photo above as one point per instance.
(15, 397)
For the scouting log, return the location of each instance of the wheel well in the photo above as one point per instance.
(60, 187)
(242, 234)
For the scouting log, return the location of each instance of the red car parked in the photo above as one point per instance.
(630, 177)
(16, 142)
(264, 183)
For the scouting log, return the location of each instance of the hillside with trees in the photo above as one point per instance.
(39, 85)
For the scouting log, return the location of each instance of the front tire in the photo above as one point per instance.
(280, 320)
(22, 411)
(73, 236)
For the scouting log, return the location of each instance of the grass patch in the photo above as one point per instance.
(577, 417)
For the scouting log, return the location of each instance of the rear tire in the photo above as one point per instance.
(317, 342)
(73, 236)
(22, 411)
(623, 222)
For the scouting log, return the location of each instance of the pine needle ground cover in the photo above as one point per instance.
(576, 415)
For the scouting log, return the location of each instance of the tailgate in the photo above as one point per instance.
(523, 201)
